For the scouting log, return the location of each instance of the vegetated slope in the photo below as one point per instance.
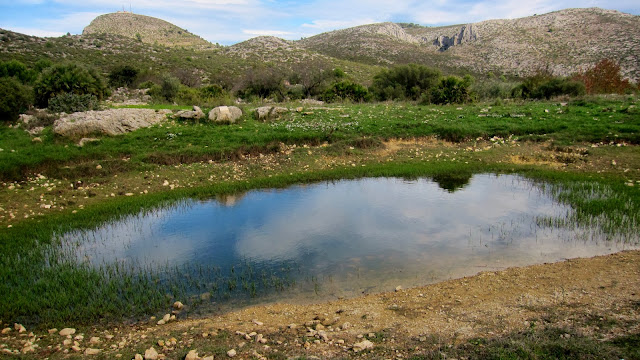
(380, 44)
(563, 41)
(107, 51)
(146, 29)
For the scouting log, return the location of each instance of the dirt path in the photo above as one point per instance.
(597, 297)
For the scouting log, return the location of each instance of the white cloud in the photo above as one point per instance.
(266, 32)
(35, 31)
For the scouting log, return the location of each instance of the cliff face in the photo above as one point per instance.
(564, 42)
(143, 28)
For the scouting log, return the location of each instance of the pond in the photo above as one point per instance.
(340, 239)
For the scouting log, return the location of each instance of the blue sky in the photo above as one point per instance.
(231, 21)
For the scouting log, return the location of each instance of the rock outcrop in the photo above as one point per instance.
(466, 34)
(107, 122)
(195, 114)
(225, 114)
(267, 113)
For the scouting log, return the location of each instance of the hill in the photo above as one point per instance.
(143, 28)
(562, 41)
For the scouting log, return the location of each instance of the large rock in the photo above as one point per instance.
(107, 122)
(266, 113)
(195, 114)
(225, 114)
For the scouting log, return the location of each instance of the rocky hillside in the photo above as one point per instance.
(143, 28)
(563, 41)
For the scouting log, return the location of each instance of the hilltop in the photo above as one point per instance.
(143, 28)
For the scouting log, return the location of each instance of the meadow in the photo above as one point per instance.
(585, 150)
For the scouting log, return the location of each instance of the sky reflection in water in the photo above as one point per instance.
(355, 235)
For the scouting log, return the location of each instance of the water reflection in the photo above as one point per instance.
(350, 237)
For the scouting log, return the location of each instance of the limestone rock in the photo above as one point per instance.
(363, 345)
(231, 353)
(90, 351)
(466, 34)
(178, 305)
(195, 114)
(266, 113)
(19, 328)
(67, 331)
(192, 355)
(225, 114)
(107, 122)
(150, 354)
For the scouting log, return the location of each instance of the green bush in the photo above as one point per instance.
(123, 76)
(188, 96)
(15, 98)
(347, 90)
(211, 91)
(16, 69)
(70, 103)
(69, 78)
(167, 90)
(452, 90)
(404, 82)
(544, 86)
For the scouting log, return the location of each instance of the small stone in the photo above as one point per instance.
(67, 331)
(398, 288)
(161, 322)
(67, 342)
(292, 326)
(138, 357)
(19, 328)
(98, 166)
(76, 348)
(231, 353)
(53, 331)
(346, 326)
(94, 340)
(208, 357)
(150, 354)
(161, 343)
(192, 355)
(178, 305)
(259, 323)
(6, 330)
(363, 345)
(90, 351)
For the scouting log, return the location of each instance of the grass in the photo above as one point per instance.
(551, 343)
(44, 287)
(599, 121)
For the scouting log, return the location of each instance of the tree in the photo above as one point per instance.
(263, 82)
(313, 76)
(123, 76)
(15, 98)
(604, 78)
(404, 82)
(347, 90)
(452, 90)
(68, 78)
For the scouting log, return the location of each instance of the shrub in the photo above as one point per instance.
(545, 86)
(452, 90)
(211, 91)
(18, 70)
(404, 82)
(347, 90)
(604, 78)
(15, 98)
(167, 90)
(188, 96)
(123, 76)
(71, 78)
(70, 103)
(262, 83)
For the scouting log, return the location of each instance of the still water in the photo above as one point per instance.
(343, 238)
